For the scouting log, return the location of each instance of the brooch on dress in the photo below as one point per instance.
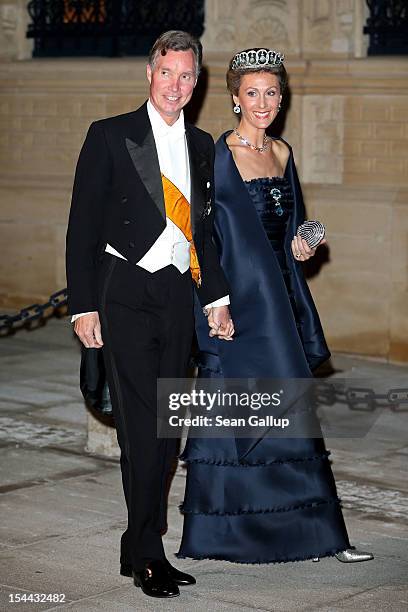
(277, 194)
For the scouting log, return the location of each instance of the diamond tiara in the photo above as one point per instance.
(256, 58)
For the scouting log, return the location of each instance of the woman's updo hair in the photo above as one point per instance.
(234, 75)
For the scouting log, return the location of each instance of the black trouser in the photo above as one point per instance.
(147, 326)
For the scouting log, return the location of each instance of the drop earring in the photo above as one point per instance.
(237, 109)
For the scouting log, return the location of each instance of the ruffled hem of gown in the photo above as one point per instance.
(224, 462)
(276, 537)
(314, 504)
(328, 553)
(220, 523)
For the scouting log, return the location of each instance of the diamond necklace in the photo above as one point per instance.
(250, 145)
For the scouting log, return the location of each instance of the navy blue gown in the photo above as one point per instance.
(272, 499)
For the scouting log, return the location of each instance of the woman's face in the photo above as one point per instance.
(259, 97)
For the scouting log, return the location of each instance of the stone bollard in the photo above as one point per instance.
(101, 438)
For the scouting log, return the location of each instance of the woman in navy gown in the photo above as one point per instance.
(271, 499)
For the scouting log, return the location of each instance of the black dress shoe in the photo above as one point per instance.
(180, 578)
(154, 580)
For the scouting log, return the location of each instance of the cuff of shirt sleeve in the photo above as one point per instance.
(224, 301)
(81, 314)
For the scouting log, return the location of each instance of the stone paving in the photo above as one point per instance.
(63, 511)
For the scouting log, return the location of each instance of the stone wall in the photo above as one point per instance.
(346, 120)
(308, 29)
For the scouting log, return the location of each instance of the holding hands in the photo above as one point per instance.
(220, 323)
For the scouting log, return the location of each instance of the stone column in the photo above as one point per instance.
(13, 26)
(333, 29)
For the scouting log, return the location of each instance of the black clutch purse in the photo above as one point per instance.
(92, 381)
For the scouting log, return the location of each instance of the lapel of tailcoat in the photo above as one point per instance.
(141, 147)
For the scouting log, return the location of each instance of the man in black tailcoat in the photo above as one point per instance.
(129, 270)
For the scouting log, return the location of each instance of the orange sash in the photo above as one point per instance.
(178, 211)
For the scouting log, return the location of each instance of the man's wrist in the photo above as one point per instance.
(81, 314)
(223, 301)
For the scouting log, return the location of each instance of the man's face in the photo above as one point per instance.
(172, 81)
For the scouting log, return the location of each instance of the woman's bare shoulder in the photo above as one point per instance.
(285, 146)
(281, 150)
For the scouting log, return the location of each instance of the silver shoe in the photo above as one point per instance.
(352, 555)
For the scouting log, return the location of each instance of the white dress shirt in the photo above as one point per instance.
(171, 247)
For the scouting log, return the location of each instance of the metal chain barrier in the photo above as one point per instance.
(362, 399)
(32, 313)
